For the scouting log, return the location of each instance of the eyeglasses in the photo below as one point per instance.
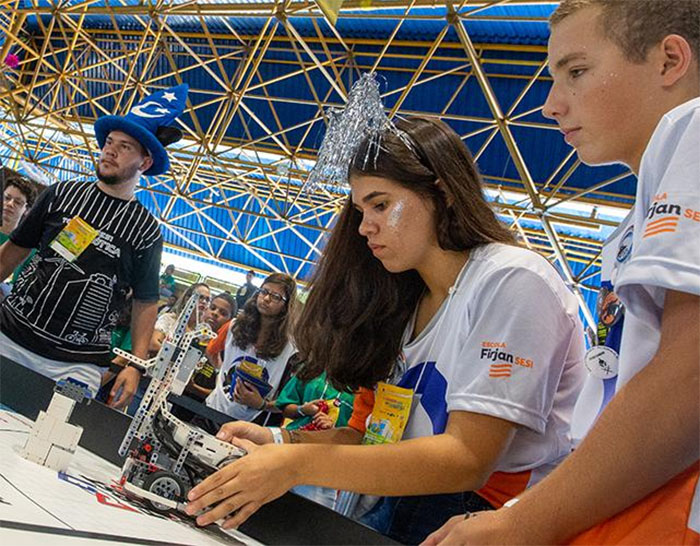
(274, 296)
(16, 200)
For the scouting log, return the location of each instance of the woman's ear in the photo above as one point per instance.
(449, 199)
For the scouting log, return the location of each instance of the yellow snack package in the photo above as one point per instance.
(251, 368)
(392, 407)
(333, 409)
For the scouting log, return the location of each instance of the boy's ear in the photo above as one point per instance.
(676, 58)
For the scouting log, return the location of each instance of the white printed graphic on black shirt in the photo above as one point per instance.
(66, 311)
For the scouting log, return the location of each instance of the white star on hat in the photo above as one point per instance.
(169, 96)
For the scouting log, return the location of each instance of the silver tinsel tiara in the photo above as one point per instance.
(362, 117)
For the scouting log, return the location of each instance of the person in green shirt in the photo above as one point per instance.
(301, 401)
(17, 198)
(315, 405)
(167, 282)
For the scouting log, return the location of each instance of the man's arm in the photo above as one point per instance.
(143, 317)
(195, 389)
(647, 435)
(11, 255)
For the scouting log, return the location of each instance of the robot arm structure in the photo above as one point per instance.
(166, 456)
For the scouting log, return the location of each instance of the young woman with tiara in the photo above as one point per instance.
(421, 287)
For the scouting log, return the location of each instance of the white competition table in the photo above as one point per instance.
(41, 506)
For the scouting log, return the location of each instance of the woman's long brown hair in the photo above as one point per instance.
(246, 326)
(356, 313)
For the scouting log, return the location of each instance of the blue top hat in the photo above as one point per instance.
(143, 121)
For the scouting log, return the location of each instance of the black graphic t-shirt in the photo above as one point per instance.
(67, 311)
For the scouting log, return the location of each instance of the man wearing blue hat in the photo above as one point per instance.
(96, 243)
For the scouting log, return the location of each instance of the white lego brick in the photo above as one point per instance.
(58, 459)
(38, 425)
(45, 426)
(61, 407)
(68, 437)
(60, 404)
(36, 450)
(177, 387)
(63, 435)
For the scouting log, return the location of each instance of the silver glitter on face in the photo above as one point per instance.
(395, 216)
(363, 117)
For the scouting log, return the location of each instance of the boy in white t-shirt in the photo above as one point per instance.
(626, 88)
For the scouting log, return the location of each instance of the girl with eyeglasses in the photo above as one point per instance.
(421, 287)
(256, 358)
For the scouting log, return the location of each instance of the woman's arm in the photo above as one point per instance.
(256, 434)
(460, 459)
(448, 462)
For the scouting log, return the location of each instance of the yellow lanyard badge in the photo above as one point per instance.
(392, 407)
(73, 239)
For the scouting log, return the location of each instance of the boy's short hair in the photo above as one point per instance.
(637, 25)
(228, 298)
(25, 186)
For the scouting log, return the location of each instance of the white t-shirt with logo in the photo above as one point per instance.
(664, 255)
(507, 342)
(221, 398)
(666, 244)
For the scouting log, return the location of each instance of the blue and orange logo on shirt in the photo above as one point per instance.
(664, 217)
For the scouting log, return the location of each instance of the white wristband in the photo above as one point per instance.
(276, 435)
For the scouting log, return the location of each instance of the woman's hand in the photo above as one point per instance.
(244, 430)
(247, 395)
(240, 488)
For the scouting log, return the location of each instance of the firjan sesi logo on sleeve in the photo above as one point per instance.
(664, 217)
(501, 360)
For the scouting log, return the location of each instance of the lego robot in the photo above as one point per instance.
(166, 456)
(52, 440)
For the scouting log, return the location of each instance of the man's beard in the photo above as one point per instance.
(115, 179)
